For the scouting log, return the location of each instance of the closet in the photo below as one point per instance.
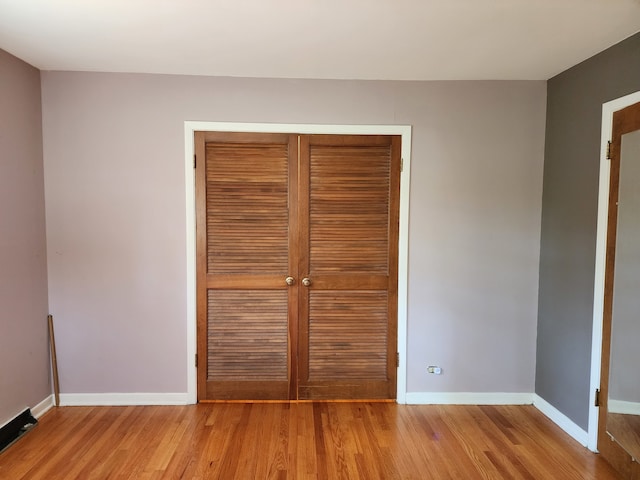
(297, 265)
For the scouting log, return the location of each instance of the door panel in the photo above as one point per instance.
(349, 193)
(244, 255)
(611, 443)
(322, 210)
(347, 335)
(247, 351)
(247, 208)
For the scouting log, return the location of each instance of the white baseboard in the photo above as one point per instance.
(560, 419)
(624, 407)
(469, 398)
(43, 407)
(121, 399)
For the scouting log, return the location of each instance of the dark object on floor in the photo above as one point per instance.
(16, 428)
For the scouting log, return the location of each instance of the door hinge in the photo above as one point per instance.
(597, 402)
(397, 359)
(402, 164)
(196, 360)
(609, 150)
(194, 160)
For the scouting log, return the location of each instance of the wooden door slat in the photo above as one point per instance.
(247, 208)
(349, 194)
(347, 335)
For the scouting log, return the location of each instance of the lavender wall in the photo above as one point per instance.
(24, 354)
(115, 193)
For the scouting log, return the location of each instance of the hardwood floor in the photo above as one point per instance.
(299, 441)
(626, 430)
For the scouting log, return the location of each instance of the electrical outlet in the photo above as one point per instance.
(434, 369)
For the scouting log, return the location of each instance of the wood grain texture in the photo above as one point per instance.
(247, 335)
(277, 206)
(626, 430)
(349, 210)
(347, 335)
(624, 121)
(320, 441)
(245, 206)
(201, 262)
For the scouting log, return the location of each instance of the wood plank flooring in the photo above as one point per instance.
(299, 441)
(626, 431)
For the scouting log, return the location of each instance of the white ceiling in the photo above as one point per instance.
(356, 39)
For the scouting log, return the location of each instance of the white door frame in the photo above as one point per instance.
(608, 109)
(403, 252)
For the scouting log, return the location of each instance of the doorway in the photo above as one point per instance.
(608, 110)
(619, 395)
(190, 127)
(297, 265)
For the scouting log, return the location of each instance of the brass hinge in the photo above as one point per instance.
(194, 160)
(196, 360)
(609, 150)
(397, 359)
(597, 402)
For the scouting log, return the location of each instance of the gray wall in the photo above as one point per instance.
(115, 194)
(24, 354)
(569, 213)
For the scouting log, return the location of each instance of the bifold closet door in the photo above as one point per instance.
(349, 215)
(246, 252)
(297, 247)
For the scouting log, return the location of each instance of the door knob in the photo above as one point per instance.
(290, 280)
(306, 282)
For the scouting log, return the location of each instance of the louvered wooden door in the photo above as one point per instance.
(349, 194)
(297, 266)
(246, 248)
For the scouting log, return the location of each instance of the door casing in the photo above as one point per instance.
(190, 127)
